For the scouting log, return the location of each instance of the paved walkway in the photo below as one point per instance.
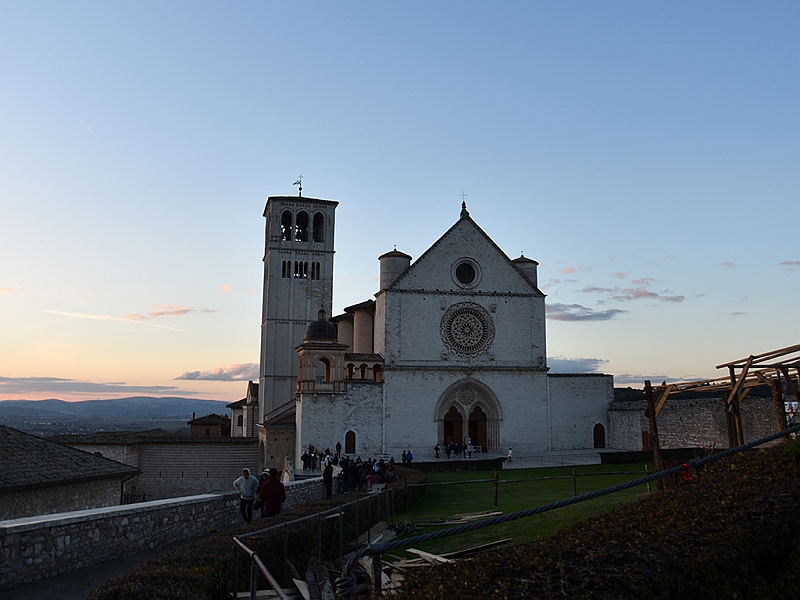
(77, 585)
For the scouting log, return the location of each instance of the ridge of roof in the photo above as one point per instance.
(465, 218)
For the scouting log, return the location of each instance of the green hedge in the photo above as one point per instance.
(732, 533)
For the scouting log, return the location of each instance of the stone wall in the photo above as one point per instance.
(578, 402)
(60, 498)
(174, 468)
(41, 547)
(695, 423)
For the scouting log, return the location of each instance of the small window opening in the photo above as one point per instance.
(363, 369)
(286, 226)
(300, 269)
(465, 273)
(319, 228)
(351, 369)
(324, 371)
(240, 421)
(301, 227)
(377, 373)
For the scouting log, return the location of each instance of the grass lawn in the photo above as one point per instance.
(448, 500)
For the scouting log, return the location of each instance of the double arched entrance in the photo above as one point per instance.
(468, 411)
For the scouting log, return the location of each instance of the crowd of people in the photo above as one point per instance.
(454, 449)
(268, 492)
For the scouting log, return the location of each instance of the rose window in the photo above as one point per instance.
(467, 329)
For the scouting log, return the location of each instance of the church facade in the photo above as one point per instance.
(451, 348)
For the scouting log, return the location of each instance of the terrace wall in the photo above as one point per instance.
(40, 547)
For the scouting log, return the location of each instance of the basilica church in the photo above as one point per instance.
(452, 347)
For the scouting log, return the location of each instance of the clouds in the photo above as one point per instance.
(5, 290)
(626, 294)
(790, 263)
(56, 385)
(577, 312)
(240, 372)
(727, 265)
(167, 310)
(127, 318)
(559, 364)
(160, 310)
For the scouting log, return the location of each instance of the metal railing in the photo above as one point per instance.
(384, 511)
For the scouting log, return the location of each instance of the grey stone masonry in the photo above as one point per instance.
(40, 547)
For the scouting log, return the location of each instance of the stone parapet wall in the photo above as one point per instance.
(40, 547)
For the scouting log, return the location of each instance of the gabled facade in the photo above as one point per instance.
(452, 348)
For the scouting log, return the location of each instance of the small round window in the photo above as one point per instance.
(465, 273)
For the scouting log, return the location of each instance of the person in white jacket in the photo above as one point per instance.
(248, 488)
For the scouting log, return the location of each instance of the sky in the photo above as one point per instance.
(646, 154)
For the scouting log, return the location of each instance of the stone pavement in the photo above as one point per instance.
(77, 585)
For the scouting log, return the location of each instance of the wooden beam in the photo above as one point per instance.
(663, 397)
(790, 382)
(760, 357)
(737, 384)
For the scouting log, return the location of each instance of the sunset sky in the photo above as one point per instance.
(647, 154)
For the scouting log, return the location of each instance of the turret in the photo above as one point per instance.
(393, 264)
(528, 268)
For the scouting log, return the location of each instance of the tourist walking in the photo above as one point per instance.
(272, 494)
(509, 455)
(247, 487)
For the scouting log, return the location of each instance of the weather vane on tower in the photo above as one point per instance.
(299, 182)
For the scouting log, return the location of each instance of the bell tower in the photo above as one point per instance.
(298, 283)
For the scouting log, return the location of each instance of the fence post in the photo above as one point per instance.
(574, 483)
(369, 521)
(340, 535)
(285, 554)
(496, 486)
(235, 572)
(358, 503)
(646, 473)
(405, 494)
(253, 579)
(651, 415)
(319, 537)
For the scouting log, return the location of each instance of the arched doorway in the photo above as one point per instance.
(453, 427)
(350, 442)
(469, 409)
(477, 428)
(599, 436)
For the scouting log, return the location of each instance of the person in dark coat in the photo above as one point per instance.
(272, 494)
(327, 479)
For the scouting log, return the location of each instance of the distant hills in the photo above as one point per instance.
(47, 417)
